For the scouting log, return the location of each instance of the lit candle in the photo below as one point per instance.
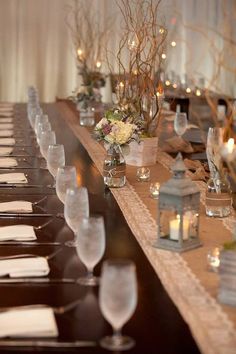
(143, 174)
(175, 229)
(198, 92)
(154, 190)
(213, 259)
(227, 149)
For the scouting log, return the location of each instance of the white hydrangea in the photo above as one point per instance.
(121, 133)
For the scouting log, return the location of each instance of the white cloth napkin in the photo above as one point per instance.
(6, 113)
(6, 120)
(24, 267)
(18, 206)
(8, 162)
(13, 178)
(7, 141)
(4, 126)
(23, 322)
(17, 233)
(5, 151)
(6, 133)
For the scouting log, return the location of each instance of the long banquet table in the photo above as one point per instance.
(157, 324)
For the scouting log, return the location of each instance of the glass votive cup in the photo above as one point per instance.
(143, 174)
(213, 259)
(154, 190)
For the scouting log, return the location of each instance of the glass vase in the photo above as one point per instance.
(218, 197)
(114, 167)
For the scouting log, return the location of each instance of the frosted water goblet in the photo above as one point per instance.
(66, 178)
(118, 300)
(76, 208)
(90, 246)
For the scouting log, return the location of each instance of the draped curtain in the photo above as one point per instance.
(36, 47)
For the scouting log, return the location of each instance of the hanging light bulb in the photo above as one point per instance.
(162, 30)
(173, 44)
(98, 64)
(80, 53)
(167, 83)
(163, 56)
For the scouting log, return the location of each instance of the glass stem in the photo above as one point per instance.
(90, 273)
(117, 337)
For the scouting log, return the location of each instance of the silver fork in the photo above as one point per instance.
(59, 310)
(29, 255)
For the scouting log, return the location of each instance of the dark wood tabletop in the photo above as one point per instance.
(156, 325)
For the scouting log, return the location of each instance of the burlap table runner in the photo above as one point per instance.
(186, 277)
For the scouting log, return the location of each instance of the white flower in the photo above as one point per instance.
(101, 123)
(121, 132)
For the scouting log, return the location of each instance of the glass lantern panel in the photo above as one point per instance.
(170, 225)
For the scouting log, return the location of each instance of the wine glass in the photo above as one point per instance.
(180, 123)
(55, 158)
(90, 246)
(47, 138)
(40, 118)
(66, 178)
(76, 208)
(118, 300)
(42, 127)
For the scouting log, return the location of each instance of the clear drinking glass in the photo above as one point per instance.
(90, 246)
(47, 138)
(42, 127)
(66, 178)
(55, 158)
(40, 118)
(118, 300)
(76, 208)
(180, 123)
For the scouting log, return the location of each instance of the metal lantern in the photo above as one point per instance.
(178, 214)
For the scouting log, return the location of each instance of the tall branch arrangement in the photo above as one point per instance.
(144, 37)
(89, 41)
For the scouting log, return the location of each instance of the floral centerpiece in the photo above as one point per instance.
(116, 131)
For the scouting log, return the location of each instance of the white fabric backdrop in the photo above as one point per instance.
(36, 48)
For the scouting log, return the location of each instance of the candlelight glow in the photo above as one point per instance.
(163, 56)
(173, 44)
(198, 92)
(230, 145)
(188, 90)
(174, 86)
(98, 64)
(80, 53)
(167, 83)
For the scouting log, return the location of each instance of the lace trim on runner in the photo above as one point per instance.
(212, 329)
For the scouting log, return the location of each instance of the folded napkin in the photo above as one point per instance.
(17, 233)
(5, 113)
(8, 162)
(7, 141)
(13, 178)
(6, 133)
(6, 126)
(18, 206)
(24, 267)
(6, 120)
(199, 173)
(5, 151)
(31, 322)
(177, 144)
